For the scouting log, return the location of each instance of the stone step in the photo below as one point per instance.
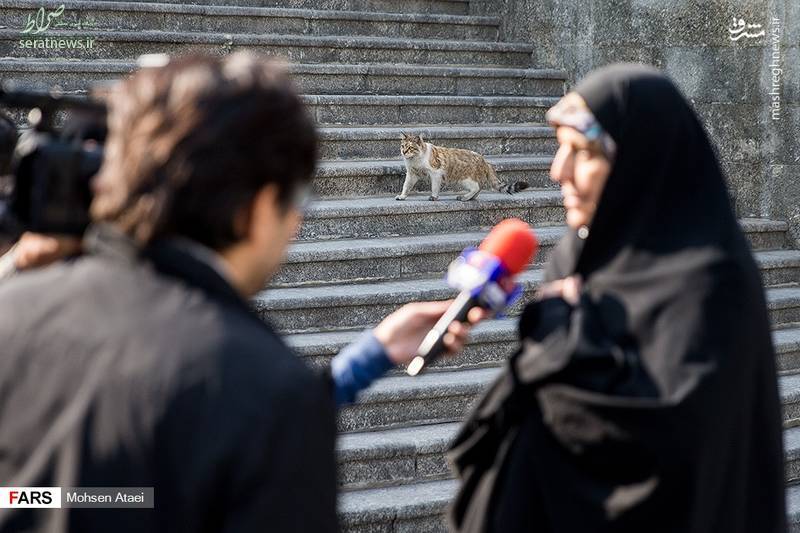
(792, 508)
(783, 304)
(385, 176)
(453, 7)
(329, 109)
(779, 266)
(375, 216)
(791, 449)
(429, 79)
(113, 44)
(765, 234)
(790, 397)
(375, 109)
(346, 261)
(787, 347)
(321, 78)
(137, 16)
(353, 306)
(440, 397)
(347, 151)
(368, 142)
(417, 454)
(349, 260)
(400, 401)
(394, 456)
(413, 508)
(421, 507)
(384, 216)
(492, 341)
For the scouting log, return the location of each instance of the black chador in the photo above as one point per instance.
(652, 405)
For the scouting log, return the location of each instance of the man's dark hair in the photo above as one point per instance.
(192, 142)
(8, 140)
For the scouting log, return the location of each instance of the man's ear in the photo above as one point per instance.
(248, 217)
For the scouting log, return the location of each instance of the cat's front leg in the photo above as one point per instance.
(408, 184)
(436, 185)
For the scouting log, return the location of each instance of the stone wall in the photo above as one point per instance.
(729, 82)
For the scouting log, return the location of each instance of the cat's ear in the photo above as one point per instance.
(405, 135)
(420, 137)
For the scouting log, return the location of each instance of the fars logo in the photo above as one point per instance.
(30, 497)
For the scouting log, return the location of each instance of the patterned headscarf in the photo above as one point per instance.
(567, 113)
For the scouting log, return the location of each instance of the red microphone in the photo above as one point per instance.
(485, 277)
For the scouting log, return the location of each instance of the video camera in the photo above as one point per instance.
(48, 189)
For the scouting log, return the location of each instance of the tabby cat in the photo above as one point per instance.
(451, 165)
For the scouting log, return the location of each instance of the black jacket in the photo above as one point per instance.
(130, 369)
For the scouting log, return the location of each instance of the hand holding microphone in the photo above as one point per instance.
(485, 277)
(401, 332)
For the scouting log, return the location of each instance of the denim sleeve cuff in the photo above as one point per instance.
(357, 366)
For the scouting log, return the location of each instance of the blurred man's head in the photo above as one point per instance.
(218, 150)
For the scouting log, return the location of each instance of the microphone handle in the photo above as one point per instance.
(432, 345)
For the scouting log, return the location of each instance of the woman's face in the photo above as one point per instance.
(582, 171)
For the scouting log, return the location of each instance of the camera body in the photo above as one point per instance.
(49, 186)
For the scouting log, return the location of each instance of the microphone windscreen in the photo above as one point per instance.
(513, 242)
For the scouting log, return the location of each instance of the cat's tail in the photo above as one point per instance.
(517, 186)
(508, 188)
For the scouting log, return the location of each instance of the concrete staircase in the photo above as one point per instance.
(370, 69)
